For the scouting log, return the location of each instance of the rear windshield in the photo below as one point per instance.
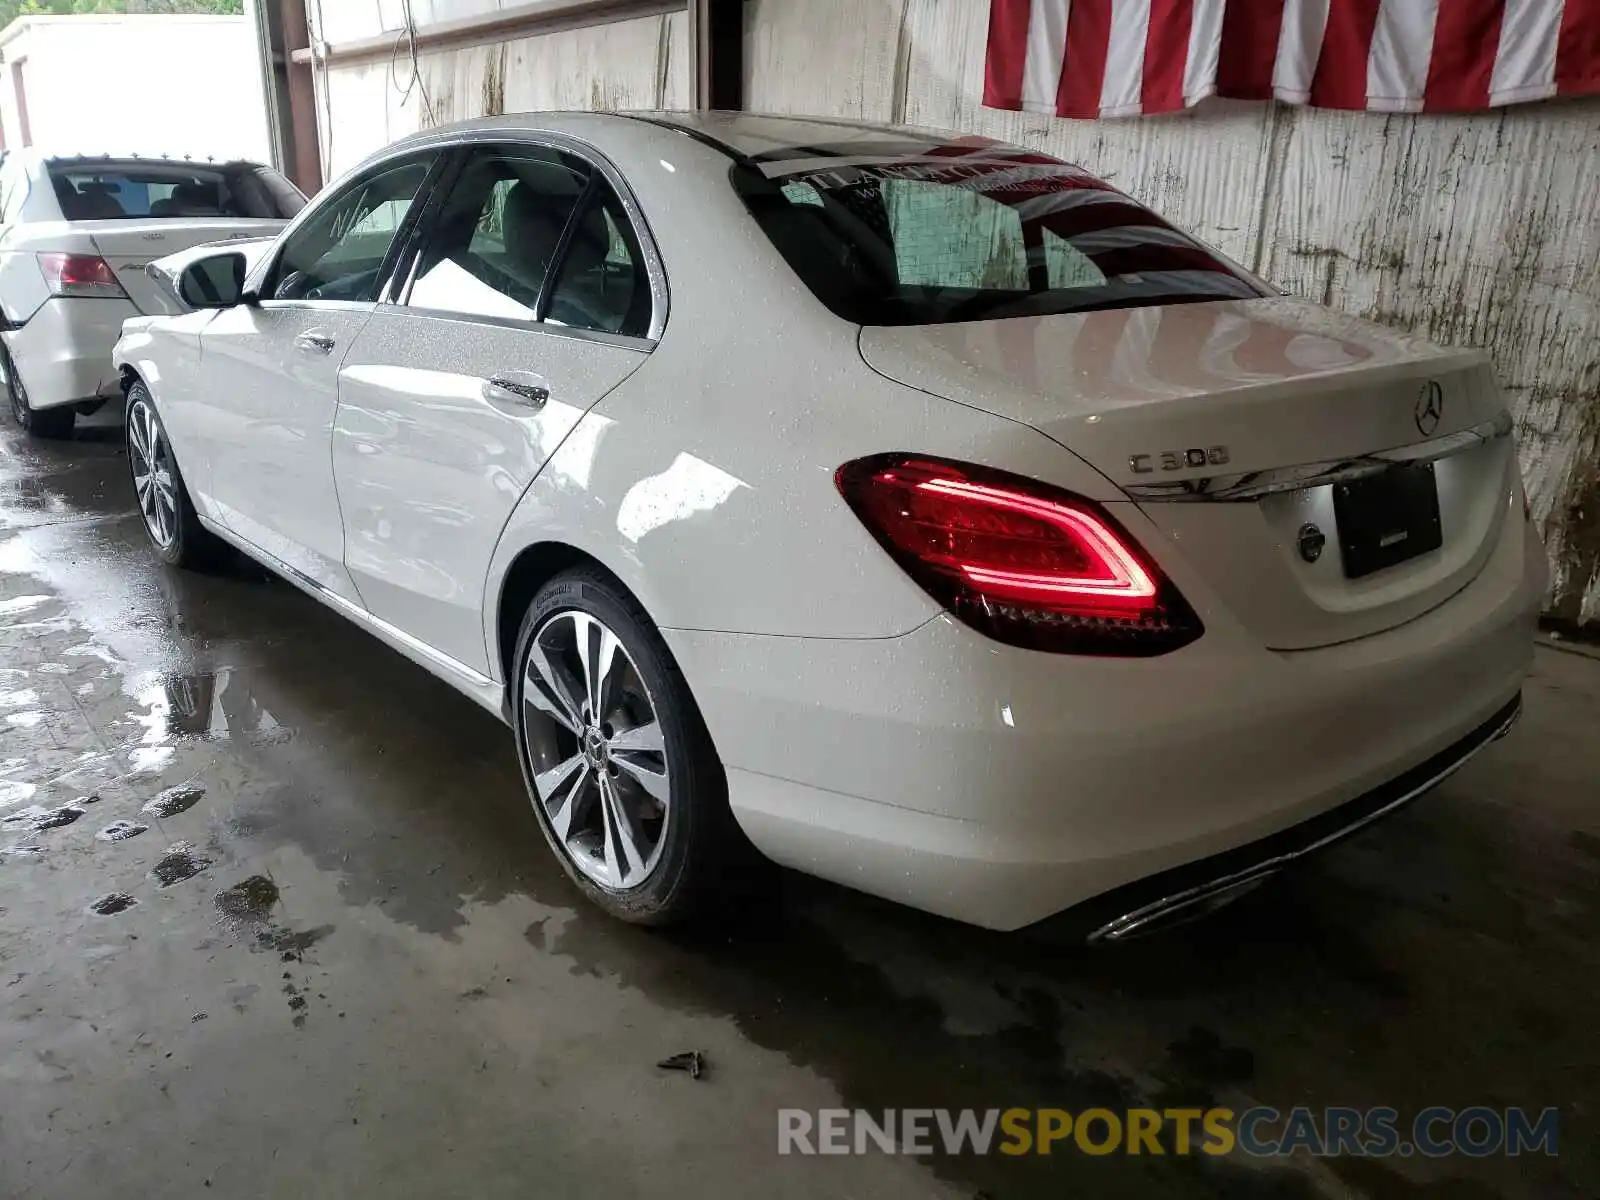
(97, 190)
(966, 232)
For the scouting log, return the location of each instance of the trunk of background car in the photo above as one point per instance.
(1190, 398)
(129, 246)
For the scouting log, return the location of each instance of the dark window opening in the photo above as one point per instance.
(339, 253)
(990, 232)
(90, 190)
(514, 216)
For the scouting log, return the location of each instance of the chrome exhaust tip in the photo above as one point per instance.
(1178, 910)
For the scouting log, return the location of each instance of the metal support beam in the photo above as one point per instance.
(716, 53)
(291, 96)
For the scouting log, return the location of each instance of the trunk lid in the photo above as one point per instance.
(1186, 399)
(128, 246)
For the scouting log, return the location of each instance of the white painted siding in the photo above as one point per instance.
(83, 93)
(639, 63)
(1478, 230)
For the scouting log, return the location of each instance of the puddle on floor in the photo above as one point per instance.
(110, 905)
(175, 800)
(180, 862)
(121, 831)
(36, 819)
(57, 818)
(249, 900)
(247, 909)
(209, 705)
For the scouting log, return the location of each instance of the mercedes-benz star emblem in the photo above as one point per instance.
(1430, 407)
(1311, 541)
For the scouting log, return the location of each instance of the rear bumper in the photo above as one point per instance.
(1198, 887)
(1002, 786)
(63, 353)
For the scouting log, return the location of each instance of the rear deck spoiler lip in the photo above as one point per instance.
(1253, 485)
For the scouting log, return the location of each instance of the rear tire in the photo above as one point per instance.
(169, 518)
(51, 423)
(620, 751)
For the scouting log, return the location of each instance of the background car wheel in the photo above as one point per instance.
(622, 773)
(169, 517)
(41, 423)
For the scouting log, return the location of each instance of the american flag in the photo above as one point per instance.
(1116, 58)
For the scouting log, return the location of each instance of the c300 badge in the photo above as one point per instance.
(1179, 460)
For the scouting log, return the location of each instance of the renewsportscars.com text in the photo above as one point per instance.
(1264, 1132)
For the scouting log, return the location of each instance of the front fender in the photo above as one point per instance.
(164, 352)
(134, 351)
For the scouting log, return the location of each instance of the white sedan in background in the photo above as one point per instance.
(75, 235)
(918, 510)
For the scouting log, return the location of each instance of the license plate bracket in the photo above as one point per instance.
(1387, 519)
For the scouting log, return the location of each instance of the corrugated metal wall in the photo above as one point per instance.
(638, 63)
(1476, 230)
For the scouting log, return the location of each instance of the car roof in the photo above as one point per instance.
(771, 137)
(739, 135)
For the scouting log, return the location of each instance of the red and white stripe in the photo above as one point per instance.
(1116, 58)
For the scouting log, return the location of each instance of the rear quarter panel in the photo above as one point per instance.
(705, 482)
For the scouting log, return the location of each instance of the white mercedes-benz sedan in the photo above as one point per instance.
(915, 509)
(76, 233)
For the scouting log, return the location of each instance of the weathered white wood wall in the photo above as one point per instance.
(1476, 230)
(363, 105)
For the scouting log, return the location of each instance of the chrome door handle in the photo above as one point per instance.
(314, 342)
(514, 391)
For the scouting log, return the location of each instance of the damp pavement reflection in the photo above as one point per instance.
(274, 918)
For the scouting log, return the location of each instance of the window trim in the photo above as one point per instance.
(558, 257)
(268, 265)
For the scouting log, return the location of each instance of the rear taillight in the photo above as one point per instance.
(79, 275)
(1018, 560)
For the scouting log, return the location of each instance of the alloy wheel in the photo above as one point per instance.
(154, 478)
(596, 750)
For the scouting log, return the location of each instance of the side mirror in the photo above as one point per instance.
(216, 281)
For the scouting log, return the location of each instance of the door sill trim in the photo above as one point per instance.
(473, 683)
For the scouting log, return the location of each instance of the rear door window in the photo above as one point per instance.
(495, 237)
(603, 285)
(529, 226)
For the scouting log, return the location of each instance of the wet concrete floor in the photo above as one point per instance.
(348, 966)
